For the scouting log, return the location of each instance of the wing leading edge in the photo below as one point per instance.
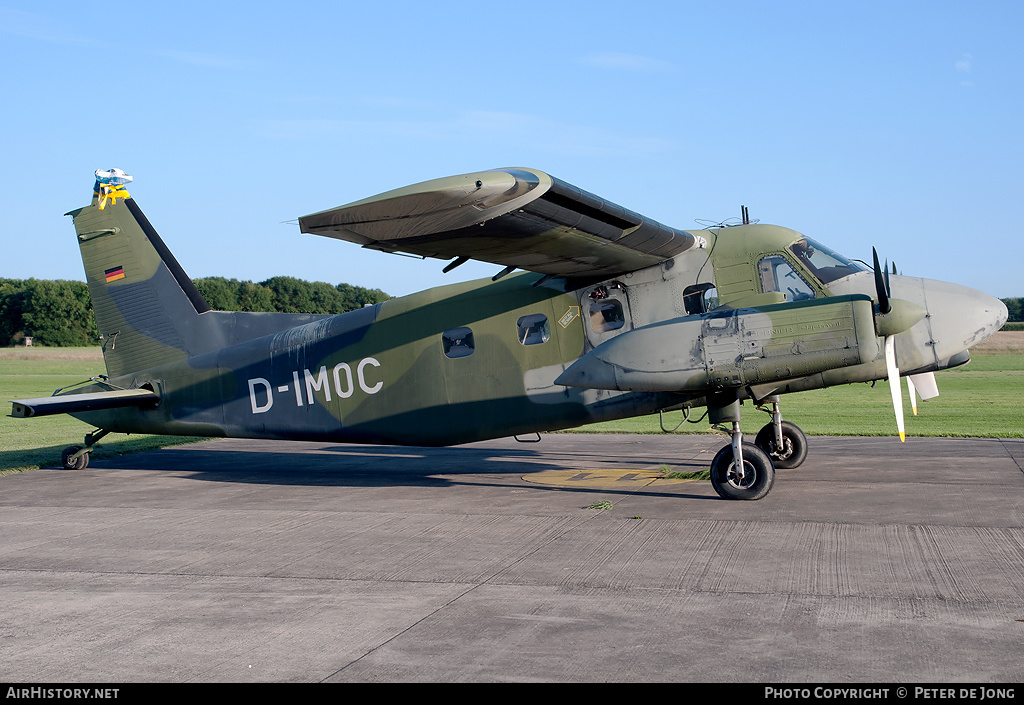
(520, 218)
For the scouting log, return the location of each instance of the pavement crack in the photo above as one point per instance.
(1009, 452)
(402, 632)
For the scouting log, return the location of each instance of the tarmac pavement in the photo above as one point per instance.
(257, 561)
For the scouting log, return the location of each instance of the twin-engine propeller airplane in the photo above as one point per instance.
(615, 316)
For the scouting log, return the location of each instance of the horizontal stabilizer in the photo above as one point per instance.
(93, 401)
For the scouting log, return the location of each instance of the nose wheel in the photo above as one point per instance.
(740, 470)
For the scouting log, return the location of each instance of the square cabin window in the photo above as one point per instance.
(457, 342)
(606, 315)
(533, 329)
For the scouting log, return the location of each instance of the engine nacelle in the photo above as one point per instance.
(733, 348)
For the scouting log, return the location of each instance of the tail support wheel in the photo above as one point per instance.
(75, 458)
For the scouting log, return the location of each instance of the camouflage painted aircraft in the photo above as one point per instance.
(615, 316)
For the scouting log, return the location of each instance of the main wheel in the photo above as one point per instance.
(794, 445)
(68, 464)
(756, 481)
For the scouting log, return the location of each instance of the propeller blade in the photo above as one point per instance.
(925, 384)
(894, 383)
(922, 385)
(881, 290)
(913, 394)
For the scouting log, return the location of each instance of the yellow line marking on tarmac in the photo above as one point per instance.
(603, 478)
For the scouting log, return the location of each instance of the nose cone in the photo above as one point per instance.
(959, 317)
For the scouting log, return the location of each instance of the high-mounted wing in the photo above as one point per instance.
(521, 218)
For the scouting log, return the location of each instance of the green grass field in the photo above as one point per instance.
(31, 443)
(982, 399)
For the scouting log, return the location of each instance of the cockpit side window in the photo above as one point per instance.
(777, 274)
(822, 262)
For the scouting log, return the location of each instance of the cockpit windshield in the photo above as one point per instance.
(825, 264)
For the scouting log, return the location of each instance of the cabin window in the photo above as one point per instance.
(710, 299)
(533, 329)
(777, 274)
(606, 315)
(457, 342)
(700, 298)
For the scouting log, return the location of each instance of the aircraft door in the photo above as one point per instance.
(605, 310)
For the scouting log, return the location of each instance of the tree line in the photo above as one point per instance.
(1016, 308)
(58, 313)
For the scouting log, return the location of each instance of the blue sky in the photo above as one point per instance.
(894, 125)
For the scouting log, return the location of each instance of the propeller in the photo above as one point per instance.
(881, 285)
(895, 316)
(894, 383)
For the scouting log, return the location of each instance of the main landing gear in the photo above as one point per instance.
(77, 457)
(782, 440)
(744, 470)
(740, 470)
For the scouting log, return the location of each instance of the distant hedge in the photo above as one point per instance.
(56, 313)
(59, 313)
(285, 295)
(1016, 308)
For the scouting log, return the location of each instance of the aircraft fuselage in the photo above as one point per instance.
(480, 360)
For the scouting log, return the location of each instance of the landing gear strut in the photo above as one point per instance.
(740, 470)
(77, 457)
(782, 440)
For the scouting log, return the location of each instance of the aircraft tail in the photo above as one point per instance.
(147, 309)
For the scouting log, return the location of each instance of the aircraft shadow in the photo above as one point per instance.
(387, 466)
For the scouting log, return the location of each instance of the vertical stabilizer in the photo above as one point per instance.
(147, 310)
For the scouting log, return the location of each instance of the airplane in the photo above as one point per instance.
(613, 315)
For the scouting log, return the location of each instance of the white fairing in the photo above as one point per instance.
(958, 317)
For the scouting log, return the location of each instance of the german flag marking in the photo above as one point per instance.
(114, 274)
